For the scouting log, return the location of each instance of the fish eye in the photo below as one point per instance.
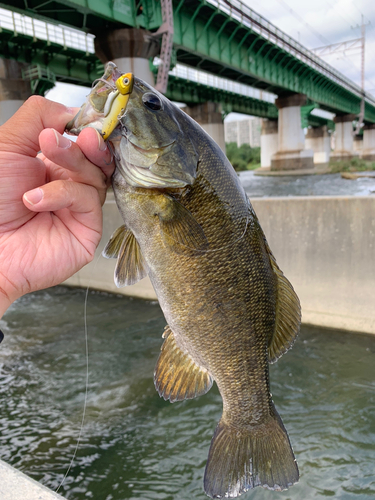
(151, 101)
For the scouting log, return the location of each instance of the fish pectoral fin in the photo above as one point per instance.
(180, 231)
(177, 376)
(131, 266)
(112, 248)
(288, 315)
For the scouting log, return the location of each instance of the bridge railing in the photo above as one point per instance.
(257, 23)
(68, 37)
(191, 74)
(71, 38)
(51, 33)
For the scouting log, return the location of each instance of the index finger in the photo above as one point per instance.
(20, 134)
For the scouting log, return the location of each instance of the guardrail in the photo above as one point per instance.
(193, 75)
(40, 30)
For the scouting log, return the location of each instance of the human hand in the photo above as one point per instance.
(50, 203)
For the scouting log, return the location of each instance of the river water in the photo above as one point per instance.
(305, 185)
(134, 445)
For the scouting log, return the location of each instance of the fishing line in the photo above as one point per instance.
(86, 380)
(106, 83)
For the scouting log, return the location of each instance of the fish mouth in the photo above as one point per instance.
(85, 117)
(145, 172)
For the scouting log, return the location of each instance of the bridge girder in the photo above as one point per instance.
(68, 64)
(237, 53)
(191, 93)
(218, 42)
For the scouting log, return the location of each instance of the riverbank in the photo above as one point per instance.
(14, 485)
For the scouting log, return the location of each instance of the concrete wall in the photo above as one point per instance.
(14, 485)
(324, 245)
(326, 248)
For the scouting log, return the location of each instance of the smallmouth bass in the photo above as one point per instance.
(190, 227)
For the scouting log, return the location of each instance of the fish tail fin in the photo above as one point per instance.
(242, 458)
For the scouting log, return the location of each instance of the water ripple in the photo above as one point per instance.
(137, 446)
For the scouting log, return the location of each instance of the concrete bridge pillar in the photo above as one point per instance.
(368, 151)
(130, 49)
(358, 144)
(269, 142)
(13, 89)
(318, 139)
(344, 148)
(291, 154)
(210, 118)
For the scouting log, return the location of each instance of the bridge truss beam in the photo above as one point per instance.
(68, 64)
(222, 37)
(221, 44)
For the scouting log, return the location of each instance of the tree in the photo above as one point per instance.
(243, 157)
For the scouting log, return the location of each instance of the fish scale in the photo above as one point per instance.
(190, 227)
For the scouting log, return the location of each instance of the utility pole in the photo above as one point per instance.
(344, 47)
(363, 38)
(348, 46)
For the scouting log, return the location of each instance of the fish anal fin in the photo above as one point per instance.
(180, 231)
(242, 458)
(113, 246)
(131, 266)
(177, 376)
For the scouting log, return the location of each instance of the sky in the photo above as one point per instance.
(314, 23)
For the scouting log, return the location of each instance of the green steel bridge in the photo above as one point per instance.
(218, 37)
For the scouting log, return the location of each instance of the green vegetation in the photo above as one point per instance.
(243, 157)
(353, 165)
(248, 158)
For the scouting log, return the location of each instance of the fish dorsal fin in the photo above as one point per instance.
(288, 315)
(113, 246)
(177, 376)
(180, 231)
(131, 266)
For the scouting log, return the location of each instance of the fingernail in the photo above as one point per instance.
(101, 144)
(34, 196)
(61, 141)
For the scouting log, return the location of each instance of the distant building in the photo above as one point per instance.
(243, 132)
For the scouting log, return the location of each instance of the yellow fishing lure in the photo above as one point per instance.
(116, 104)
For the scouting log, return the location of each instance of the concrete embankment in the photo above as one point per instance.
(324, 245)
(14, 485)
